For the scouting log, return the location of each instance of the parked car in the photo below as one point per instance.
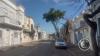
(60, 43)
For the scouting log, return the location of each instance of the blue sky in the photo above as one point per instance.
(36, 8)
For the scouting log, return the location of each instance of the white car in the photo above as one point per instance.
(60, 43)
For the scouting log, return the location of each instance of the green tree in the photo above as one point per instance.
(53, 16)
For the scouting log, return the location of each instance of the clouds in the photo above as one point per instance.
(62, 2)
(66, 2)
(57, 1)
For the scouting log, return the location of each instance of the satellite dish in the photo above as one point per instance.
(84, 44)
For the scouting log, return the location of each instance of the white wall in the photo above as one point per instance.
(14, 12)
(45, 36)
(8, 38)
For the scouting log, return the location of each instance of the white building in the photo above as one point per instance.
(28, 30)
(45, 35)
(82, 30)
(36, 33)
(11, 20)
(40, 33)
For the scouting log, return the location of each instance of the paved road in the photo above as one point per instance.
(42, 48)
(47, 49)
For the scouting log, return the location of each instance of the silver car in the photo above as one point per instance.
(60, 43)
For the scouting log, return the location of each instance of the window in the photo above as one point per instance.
(15, 34)
(98, 26)
(82, 23)
(0, 34)
(3, 11)
(19, 23)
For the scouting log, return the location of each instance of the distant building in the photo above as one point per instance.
(36, 33)
(71, 31)
(45, 35)
(67, 31)
(28, 30)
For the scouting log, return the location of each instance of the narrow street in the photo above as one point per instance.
(37, 27)
(42, 48)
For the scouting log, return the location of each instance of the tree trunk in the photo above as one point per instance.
(93, 26)
(57, 32)
(94, 43)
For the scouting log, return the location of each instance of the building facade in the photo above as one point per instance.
(28, 30)
(71, 31)
(45, 35)
(15, 27)
(36, 33)
(82, 30)
(10, 24)
(67, 31)
(95, 6)
(94, 9)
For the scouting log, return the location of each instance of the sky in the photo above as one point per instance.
(36, 9)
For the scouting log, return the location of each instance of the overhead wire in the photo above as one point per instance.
(79, 9)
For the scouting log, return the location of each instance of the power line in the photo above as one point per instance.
(79, 8)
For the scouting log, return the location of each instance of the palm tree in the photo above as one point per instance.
(54, 16)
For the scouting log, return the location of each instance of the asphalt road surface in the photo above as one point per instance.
(47, 49)
(42, 48)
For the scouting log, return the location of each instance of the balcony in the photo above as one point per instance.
(26, 29)
(5, 21)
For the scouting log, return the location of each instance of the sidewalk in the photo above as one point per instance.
(19, 45)
(19, 50)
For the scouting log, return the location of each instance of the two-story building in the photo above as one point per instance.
(11, 20)
(28, 30)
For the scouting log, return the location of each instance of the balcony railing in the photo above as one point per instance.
(3, 11)
(5, 20)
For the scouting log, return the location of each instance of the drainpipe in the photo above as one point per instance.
(98, 31)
